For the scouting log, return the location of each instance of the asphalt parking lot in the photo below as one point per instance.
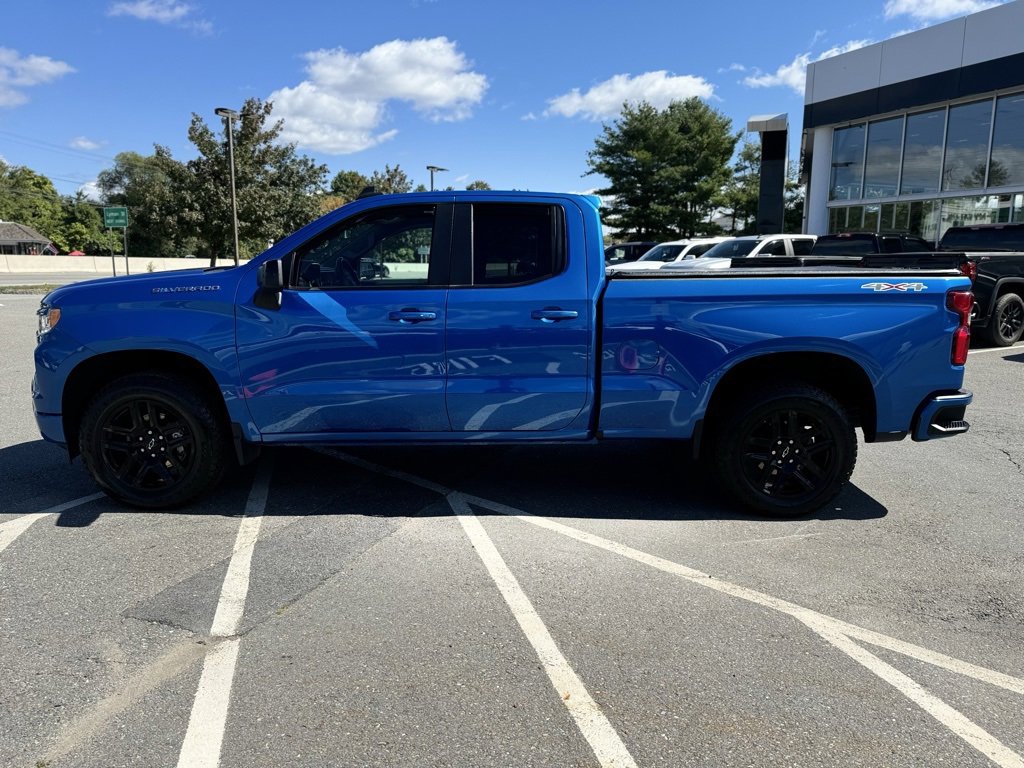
(548, 606)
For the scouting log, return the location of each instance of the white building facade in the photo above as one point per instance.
(921, 132)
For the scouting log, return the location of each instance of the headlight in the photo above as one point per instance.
(48, 318)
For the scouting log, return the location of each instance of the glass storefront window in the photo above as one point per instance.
(967, 146)
(1007, 164)
(847, 163)
(882, 169)
(924, 219)
(870, 218)
(848, 219)
(922, 152)
(901, 217)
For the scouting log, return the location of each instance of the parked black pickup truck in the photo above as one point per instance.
(860, 243)
(997, 250)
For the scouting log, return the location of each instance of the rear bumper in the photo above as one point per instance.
(942, 416)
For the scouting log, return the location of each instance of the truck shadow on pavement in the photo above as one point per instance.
(627, 480)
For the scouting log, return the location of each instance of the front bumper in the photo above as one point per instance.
(942, 416)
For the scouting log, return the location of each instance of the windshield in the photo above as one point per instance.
(730, 249)
(662, 253)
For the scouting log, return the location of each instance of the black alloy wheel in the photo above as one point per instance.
(152, 441)
(1007, 324)
(786, 451)
(147, 444)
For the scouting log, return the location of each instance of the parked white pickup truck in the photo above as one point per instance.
(671, 252)
(721, 255)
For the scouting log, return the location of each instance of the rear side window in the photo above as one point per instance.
(774, 248)
(516, 243)
(994, 239)
(802, 246)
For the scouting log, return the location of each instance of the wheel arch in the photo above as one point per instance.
(92, 374)
(838, 375)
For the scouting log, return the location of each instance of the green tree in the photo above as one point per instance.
(348, 184)
(29, 198)
(478, 184)
(391, 181)
(278, 190)
(150, 187)
(793, 211)
(665, 168)
(741, 193)
(82, 228)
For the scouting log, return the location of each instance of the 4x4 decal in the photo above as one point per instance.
(902, 287)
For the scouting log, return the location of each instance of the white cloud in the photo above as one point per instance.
(18, 72)
(91, 190)
(794, 74)
(340, 107)
(81, 142)
(935, 10)
(162, 12)
(605, 99)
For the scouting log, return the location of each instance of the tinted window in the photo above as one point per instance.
(774, 248)
(662, 253)
(381, 248)
(730, 248)
(922, 152)
(516, 243)
(839, 246)
(988, 239)
(802, 247)
(699, 249)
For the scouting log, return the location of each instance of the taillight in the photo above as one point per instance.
(961, 302)
(969, 269)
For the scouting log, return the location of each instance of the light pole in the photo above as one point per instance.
(229, 116)
(433, 169)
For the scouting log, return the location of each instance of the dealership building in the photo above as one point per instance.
(921, 132)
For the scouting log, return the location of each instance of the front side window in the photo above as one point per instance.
(387, 247)
(516, 243)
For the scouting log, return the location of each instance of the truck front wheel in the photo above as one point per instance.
(1007, 323)
(785, 451)
(150, 440)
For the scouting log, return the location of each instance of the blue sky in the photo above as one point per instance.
(511, 93)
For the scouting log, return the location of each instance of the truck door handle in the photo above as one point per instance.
(554, 314)
(411, 316)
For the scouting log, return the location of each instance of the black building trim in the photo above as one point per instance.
(973, 80)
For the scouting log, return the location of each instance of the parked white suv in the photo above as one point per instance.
(671, 252)
(721, 255)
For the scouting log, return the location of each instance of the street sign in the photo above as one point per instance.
(115, 217)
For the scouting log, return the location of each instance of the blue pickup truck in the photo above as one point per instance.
(487, 317)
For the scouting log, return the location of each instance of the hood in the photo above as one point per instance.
(175, 281)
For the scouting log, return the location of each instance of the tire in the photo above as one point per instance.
(785, 451)
(151, 441)
(1007, 322)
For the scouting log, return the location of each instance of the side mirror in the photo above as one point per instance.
(270, 279)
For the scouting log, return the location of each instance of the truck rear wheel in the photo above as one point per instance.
(1007, 323)
(785, 451)
(151, 441)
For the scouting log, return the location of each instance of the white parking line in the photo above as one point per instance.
(836, 632)
(12, 529)
(591, 721)
(205, 733)
(995, 349)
